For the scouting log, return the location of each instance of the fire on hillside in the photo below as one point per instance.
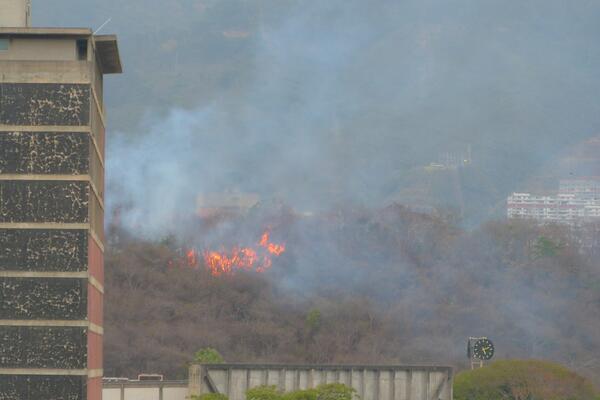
(258, 258)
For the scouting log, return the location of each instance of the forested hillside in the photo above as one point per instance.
(348, 98)
(362, 286)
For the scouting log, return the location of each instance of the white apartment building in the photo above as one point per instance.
(584, 188)
(565, 208)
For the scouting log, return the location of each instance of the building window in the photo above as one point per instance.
(3, 44)
(82, 48)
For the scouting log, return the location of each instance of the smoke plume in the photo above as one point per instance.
(345, 101)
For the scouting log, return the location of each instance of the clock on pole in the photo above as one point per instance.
(479, 349)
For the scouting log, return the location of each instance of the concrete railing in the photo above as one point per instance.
(371, 382)
(145, 390)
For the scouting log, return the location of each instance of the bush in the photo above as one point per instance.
(264, 393)
(332, 391)
(309, 394)
(522, 379)
(313, 320)
(209, 396)
(208, 355)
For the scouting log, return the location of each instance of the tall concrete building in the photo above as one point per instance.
(52, 123)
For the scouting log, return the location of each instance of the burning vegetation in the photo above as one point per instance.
(356, 285)
(258, 258)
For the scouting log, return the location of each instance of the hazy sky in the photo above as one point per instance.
(320, 102)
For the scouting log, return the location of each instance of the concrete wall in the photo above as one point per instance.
(15, 13)
(370, 382)
(43, 49)
(134, 390)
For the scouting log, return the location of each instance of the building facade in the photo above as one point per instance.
(577, 201)
(583, 188)
(52, 126)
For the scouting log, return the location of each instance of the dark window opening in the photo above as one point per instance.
(4, 44)
(82, 49)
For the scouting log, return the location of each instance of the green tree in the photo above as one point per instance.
(522, 380)
(545, 247)
(208, 355)
(334, 391)
(313, 322)
(209, 396)
(308, 394)
(264, 393)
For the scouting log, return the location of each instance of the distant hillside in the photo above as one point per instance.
(357, 93)
(363, 286)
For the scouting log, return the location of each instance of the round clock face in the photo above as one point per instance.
(483, 349)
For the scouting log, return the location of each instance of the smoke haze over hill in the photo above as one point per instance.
(391, 286)
(320, 103)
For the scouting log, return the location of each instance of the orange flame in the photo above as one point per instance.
(227, 262)
(192, 258)
(188, 259)
(275, 249)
